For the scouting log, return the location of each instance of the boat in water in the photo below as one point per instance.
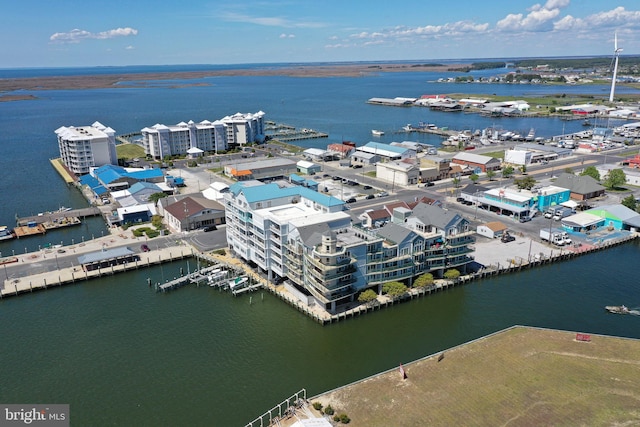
(375, 132)
(6, 233)
(617, 309)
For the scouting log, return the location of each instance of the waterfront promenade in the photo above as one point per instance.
(35, 279)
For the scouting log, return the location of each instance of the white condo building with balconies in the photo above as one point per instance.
(84, 147)
(160, 141)
(307, 239)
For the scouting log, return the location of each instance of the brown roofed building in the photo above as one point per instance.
(191, 213)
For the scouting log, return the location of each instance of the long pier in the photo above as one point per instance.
(70, 275)
(41, 218)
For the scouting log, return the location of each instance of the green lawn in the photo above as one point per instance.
(129, 151)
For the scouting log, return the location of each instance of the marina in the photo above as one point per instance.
(93, 317)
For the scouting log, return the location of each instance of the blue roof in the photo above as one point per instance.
(93, 184)
(139, 186)
(109, 173)
(259, 193)
(296, 178)
(392, 148)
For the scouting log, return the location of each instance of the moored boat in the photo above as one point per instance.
(377, 132)
(238, 283)
(6, 233)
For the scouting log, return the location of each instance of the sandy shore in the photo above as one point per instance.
(140, 79)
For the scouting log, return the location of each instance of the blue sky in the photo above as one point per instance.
(65, 33)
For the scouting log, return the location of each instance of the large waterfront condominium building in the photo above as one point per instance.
(82, 148)
(307, 240)
(160, 141)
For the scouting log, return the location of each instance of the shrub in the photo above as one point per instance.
(329, 410)
(220, 252)
(344, 419)
(152, 233)
(336, 418)
(317, 406)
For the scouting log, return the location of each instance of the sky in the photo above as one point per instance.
(80, 33)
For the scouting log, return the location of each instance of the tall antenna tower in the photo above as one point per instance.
(616, 54)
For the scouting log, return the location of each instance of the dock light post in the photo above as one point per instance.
(82, 239)
(73, 242)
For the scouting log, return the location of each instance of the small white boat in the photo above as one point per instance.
(238, 283)
(375, 132)
(5, 233)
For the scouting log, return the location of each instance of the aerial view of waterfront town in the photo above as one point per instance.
(323, 243)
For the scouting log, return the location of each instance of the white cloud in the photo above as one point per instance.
(539, 18)
(129, 47)
(77, 35)
(287, 36)
(273, 21)
(614, 18)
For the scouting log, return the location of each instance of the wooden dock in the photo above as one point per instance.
(58, 215)
(195, 277)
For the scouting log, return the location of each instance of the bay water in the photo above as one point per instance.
(121, 354)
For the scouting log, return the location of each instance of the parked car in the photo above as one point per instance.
(370, 196)
(209, 228)
(144, 248)
(367, 187)
(336, 178)
(506, 238)
(351, 200)
(383, 194)
(356, 166)
(430, 184)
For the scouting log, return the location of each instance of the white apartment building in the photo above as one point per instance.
(307, 239)
(160, 141)
(84, 147)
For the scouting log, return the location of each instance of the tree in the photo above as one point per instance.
(507, 171)
(367, 296)
(157, 196)
(526, 182)
(523, 169)
(474, 177)
(424, 280)
(490, 174)
(394, 289)
(592, 172)
(569, 170)
(456, 181)
(451, 274)
(615, 178)
(630, 202)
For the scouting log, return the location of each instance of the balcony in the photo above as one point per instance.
(339, 262)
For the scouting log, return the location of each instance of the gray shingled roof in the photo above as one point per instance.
(579, 184)
(436, 216)
(395, 233)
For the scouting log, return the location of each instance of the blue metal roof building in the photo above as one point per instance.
(264, 192)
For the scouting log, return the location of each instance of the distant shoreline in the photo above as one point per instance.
(102, 81)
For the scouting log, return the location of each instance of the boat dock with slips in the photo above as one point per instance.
(197, 276)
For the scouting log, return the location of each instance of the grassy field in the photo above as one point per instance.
(129, 151)
(518, 377)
